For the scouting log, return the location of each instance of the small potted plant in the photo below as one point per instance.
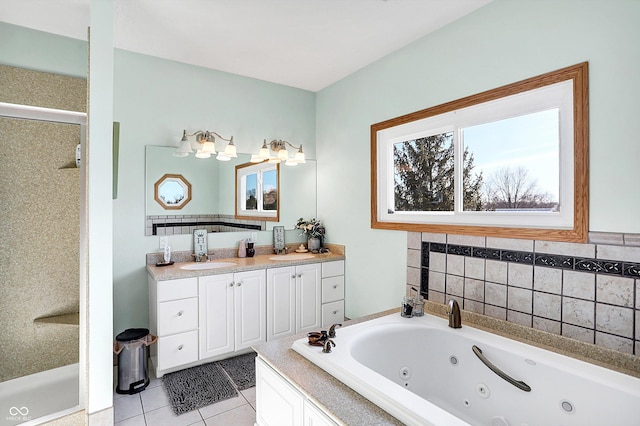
(314, 230)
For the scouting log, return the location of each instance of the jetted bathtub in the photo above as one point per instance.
(424, 373)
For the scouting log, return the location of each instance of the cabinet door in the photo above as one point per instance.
(281, 302)
(250, 293)
(308, 297)
(216, 315)
(314, 417)
(278, 403)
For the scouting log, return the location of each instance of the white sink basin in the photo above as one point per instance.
(296, 256)
(207, 265)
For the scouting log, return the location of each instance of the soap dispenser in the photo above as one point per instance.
(242, 249)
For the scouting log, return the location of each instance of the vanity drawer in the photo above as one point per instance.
(332, 289)
(178, 349)
(177, 316)
(332, 269)
(177, 289)
(332, 313)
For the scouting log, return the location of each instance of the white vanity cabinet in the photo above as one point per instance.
(173, 311)
(293, 300)
(232, 312)
(281, 404)
(332, 293)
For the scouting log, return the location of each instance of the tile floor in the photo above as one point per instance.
(151, 408)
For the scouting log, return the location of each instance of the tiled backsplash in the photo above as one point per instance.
(588, 292)
(186, 224)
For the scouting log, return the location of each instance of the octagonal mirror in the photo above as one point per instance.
(172, 192)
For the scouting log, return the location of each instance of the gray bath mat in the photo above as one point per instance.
(197, 387)
(241, 369)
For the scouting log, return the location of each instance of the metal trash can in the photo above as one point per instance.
(131, 348)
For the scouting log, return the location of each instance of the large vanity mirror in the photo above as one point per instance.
(213, 194)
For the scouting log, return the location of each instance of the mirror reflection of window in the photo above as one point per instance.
(257, 187)
(172, 191)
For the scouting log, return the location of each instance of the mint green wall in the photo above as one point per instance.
(154, 100)
(503, 42)
(40, 51)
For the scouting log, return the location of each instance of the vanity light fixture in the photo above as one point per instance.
(205, 146)
(281, 154)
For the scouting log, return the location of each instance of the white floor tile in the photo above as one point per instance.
(240, 416)
(154, 398)
(126, 407)
(222, 406)
(165, 417)
(249, 394)
(133, 421)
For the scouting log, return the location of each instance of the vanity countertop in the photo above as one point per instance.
(263, 261)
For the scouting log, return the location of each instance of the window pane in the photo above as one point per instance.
(517, 162)
(270, 190)
(423, 174)
(251, 185)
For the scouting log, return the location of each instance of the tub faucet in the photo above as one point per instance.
(453, 310)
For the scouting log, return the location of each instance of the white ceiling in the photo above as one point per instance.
(308, 44)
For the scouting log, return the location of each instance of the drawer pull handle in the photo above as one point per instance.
(180, 313)
(230, 284)
(180, 347)
(239, 284)
(335, 286)
(293, 276)
(299, 275)
(335, 312)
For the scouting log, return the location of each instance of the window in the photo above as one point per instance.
(257, 187)
(508, 162)
(172, 191)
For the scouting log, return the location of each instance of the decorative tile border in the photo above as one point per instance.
(589, 292)
(185, 224)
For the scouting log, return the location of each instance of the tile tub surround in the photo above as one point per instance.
(589, 292)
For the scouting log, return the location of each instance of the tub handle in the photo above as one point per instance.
(519, 384)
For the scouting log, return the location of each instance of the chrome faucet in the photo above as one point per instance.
(200, 257)
(453, 310)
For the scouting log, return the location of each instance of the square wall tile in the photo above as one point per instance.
(519, 318)
(614, 290)
(473, 306)
(578, 333)
(413, 276)
(578, 312)
(434, 238)
(474, 289)
(579, 284)
(624, 253)
(614, 320)
(466, 240)
(519, 299)
(496, 271)
(547, 279)
(414, 258)
(510, 244)
(616, 343)
(436, 296)
(474, 268)
(547, 305)
(414, 240)
(520, 275)
(495, 294)
(495, 312)
(436, 281)
(547, 325)
(566, 249)
(437, 262)
(455, 285)
(455, 265)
